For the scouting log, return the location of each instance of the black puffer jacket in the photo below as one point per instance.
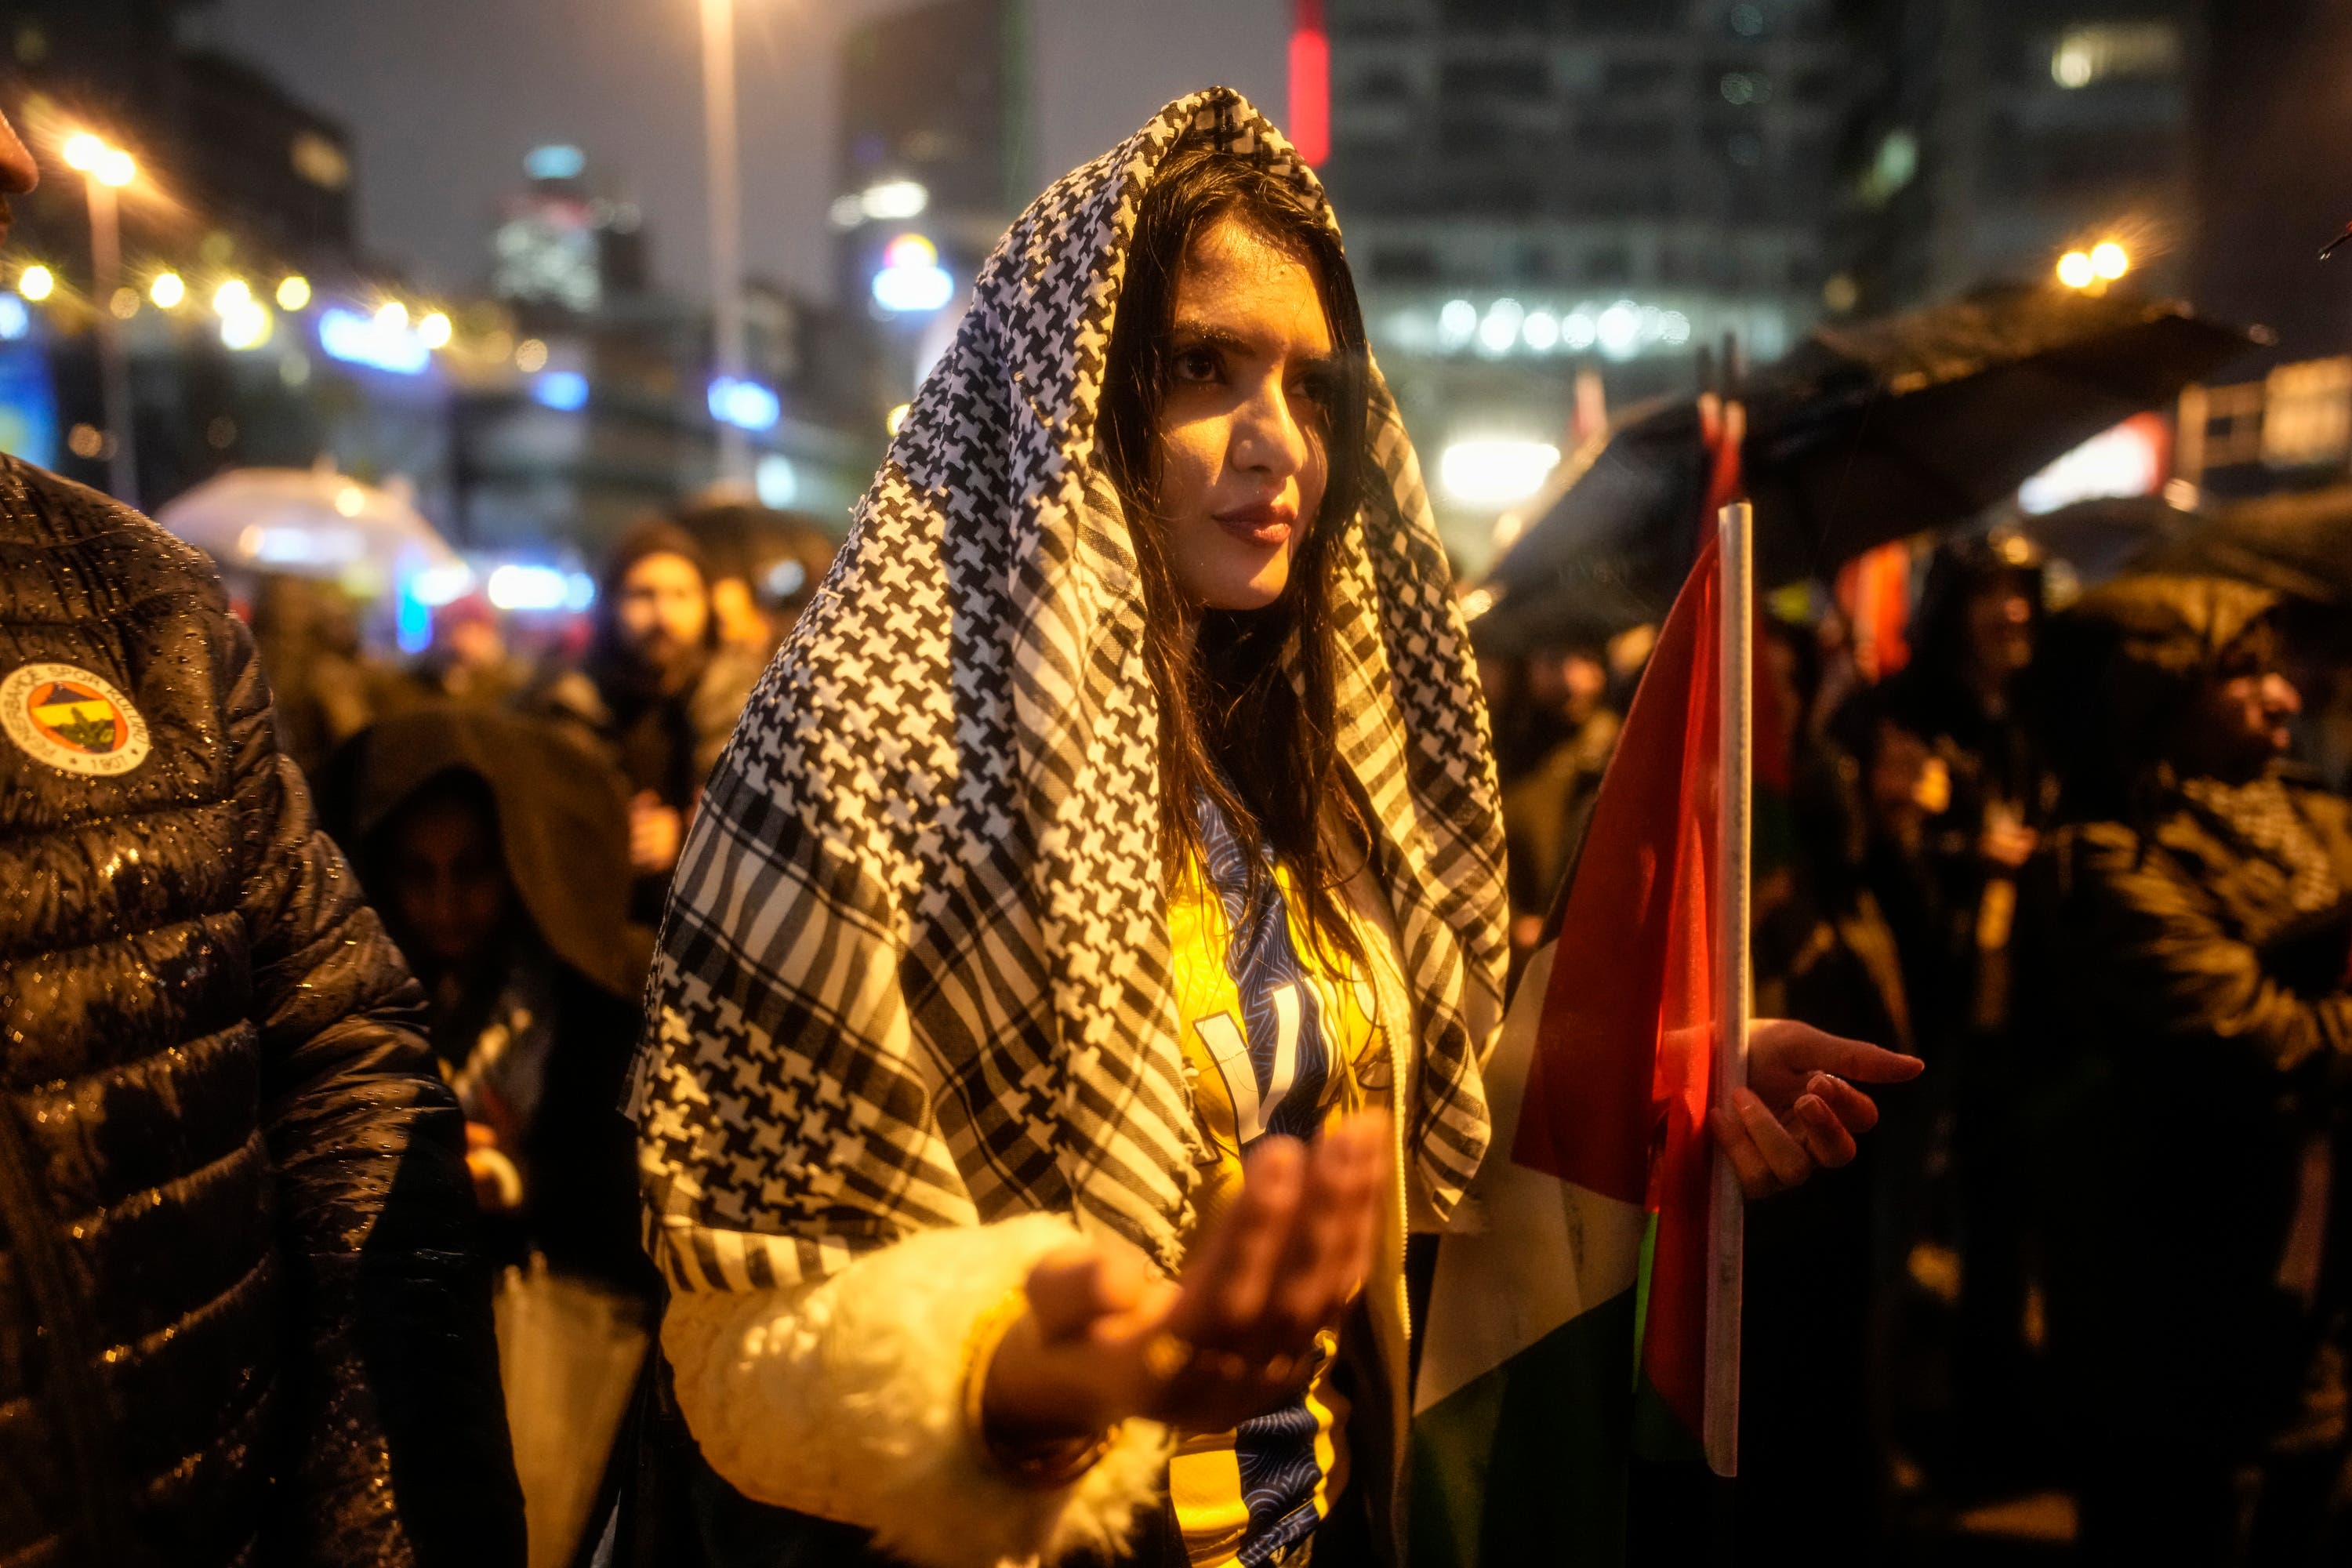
(239, 1320)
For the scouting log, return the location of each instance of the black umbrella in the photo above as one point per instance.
(2308, 532)
(2293, 545)
(1861, 435)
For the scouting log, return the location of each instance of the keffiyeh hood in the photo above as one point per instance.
(914, 970)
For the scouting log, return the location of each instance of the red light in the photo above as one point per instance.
(1311, 83)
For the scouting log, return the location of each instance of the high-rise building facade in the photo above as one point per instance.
(935, 157)
(1532, 188)
(1995, 136)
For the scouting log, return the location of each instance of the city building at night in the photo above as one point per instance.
(935, 157)
(567, 398)
(1532, 189)
(1994, 141)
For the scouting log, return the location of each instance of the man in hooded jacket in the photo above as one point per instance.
(238, 1318)
(2187, 934)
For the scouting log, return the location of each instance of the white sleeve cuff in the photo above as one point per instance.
(844, 1398)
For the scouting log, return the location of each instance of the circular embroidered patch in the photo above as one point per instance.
(63, 715)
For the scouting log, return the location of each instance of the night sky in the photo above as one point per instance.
(444, 97)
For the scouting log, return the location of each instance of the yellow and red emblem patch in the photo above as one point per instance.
(63, 715)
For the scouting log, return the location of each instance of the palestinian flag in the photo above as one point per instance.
(1566, 1323)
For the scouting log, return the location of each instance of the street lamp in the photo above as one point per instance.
(720, 135)
(105, 170)
(2092, 270)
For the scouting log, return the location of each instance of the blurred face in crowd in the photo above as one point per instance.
(1998, 623)
(450, 888)
(476, 643)
(2237, 725)
(1240, 458)
(1569, 683)
(741, 622)
(19, 173)
(663, 611)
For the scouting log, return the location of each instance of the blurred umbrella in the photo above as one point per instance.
(309, 522)
(2299, 546)
(1863, 434)
(2308, 533)
(2105, 539)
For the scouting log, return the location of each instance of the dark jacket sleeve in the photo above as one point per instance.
(2171, 969)
(398, 1450)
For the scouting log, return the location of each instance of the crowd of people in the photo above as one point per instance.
(516, 821)
(2085, 859)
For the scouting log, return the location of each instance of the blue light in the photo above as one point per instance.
(412, 625)
(777, 481)
(557, 160)
(746, 404)
(372, 341)
(913, 290)
(15, 320)
(566, 391)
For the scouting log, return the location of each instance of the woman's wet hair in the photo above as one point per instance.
(1248, 714)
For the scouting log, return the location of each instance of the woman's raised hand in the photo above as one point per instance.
(1800, 1109)
(1106, 1337)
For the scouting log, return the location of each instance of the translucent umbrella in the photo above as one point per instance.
(311, 523)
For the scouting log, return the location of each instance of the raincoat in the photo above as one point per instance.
(2190, 1027)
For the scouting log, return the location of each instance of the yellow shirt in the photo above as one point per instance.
(1280, 1033)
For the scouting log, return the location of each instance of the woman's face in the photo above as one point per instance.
(448, 882)
(1241, 453)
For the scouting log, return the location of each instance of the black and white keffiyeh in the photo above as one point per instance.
(914, 970)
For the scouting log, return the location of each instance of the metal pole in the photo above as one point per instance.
(1727, 1206)
(113, 362)
(726, 220)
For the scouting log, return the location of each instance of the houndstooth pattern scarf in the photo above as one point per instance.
(2261, 816)
(914, 970)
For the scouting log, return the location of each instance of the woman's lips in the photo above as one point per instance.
(1268, 524)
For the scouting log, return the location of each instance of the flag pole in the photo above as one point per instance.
(1727, 1210)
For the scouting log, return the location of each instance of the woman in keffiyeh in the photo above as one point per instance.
(1077, 978)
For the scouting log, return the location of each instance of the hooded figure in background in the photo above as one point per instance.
(658, 694)
(495, 845)
(2183, 943)
(1947, 884)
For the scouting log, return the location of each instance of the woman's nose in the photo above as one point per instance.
(1267, 438)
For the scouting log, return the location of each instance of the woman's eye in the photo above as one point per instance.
(1196, 365)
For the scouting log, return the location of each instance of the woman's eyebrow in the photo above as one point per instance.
(1215, 337)
(1194, 332)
